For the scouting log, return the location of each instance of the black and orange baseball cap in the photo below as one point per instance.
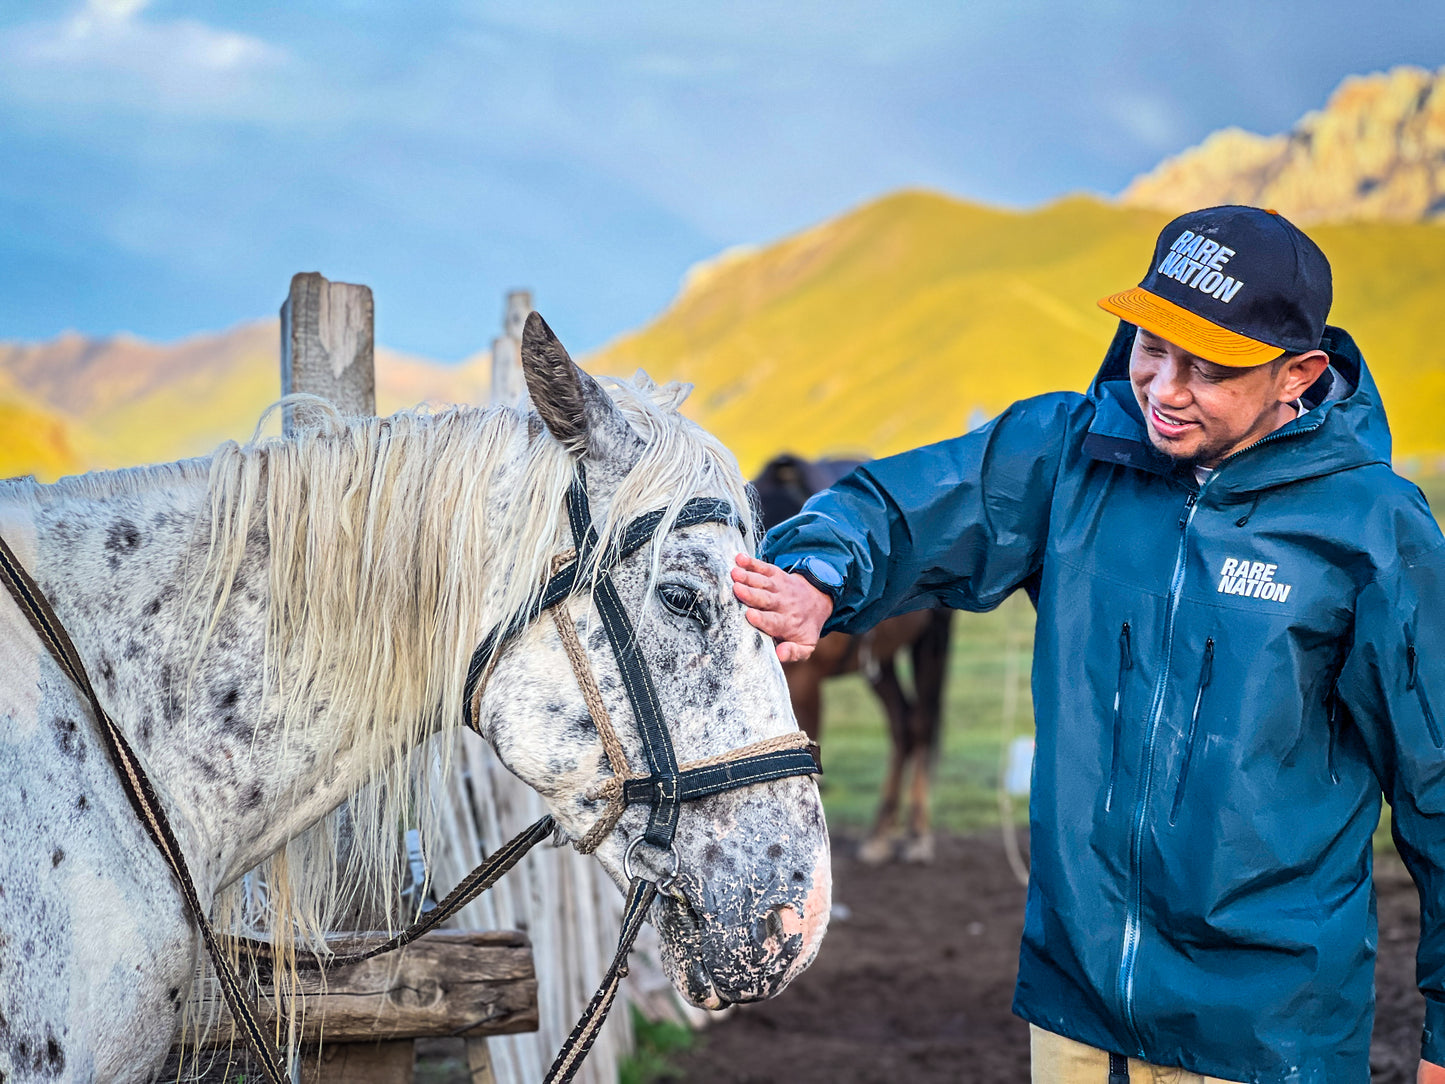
(1237, 286)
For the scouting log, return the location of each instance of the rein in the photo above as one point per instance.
(664, 787)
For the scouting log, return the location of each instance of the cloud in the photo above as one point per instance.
(108, 53)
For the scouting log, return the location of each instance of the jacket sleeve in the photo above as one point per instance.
(1393, 682)
(960, 524)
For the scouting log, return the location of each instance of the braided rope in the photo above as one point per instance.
(796, 740)
(602, 720)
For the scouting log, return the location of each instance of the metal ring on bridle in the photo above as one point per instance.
(663, 882)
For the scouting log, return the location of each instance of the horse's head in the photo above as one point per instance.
(750, 901)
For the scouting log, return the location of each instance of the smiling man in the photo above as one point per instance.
(1240, 618)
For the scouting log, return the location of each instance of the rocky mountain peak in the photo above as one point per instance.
(1375, 152)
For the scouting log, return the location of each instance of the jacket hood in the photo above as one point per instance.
(1345, 427)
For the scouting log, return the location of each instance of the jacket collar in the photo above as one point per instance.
(1345, 427)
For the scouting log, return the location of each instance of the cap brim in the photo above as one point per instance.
(1184, 329)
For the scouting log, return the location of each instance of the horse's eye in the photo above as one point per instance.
(681, 600)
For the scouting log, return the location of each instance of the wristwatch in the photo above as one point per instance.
(820, 574)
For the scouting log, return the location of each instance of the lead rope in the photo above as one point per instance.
(139, 792)
(32, 603)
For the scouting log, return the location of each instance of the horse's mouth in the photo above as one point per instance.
(683, 929)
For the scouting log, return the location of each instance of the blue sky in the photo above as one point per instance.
(166, 166)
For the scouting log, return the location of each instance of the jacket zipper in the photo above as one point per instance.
(1130, 952)
(1412, 659)
(1126, 663)
(1206, 672)
(1128, 956)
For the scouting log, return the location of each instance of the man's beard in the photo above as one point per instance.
(1200, 457)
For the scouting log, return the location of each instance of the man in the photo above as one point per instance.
(1240, 617)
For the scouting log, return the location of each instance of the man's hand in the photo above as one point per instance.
(783, 605)
(1430, 1073)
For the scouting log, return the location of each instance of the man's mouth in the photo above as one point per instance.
(1168, 425)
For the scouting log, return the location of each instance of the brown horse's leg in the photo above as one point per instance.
(930, 666)
(879, 845)
(805, 689)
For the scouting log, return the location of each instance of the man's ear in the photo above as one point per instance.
(1300, 372)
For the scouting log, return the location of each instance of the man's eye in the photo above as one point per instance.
(681, 600)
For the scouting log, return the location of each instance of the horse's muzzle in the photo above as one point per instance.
(743, 948)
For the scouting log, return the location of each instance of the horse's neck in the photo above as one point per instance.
(119, 572)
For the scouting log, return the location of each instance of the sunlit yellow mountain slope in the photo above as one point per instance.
(912, 317)
(32, 440)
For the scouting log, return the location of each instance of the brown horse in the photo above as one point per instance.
(783, 487)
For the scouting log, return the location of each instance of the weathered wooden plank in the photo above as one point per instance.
(451, 982)
(328, 344)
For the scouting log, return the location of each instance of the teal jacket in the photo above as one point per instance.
(1226, 678)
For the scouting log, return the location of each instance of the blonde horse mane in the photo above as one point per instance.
(392, 546)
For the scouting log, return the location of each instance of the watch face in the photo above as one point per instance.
(824, 572)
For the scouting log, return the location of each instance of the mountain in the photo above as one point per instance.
(916, 316)
(33, 440)
(1375, 152)
(907, 320)
(122, 400)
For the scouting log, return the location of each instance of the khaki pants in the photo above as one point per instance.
(1057, 1060)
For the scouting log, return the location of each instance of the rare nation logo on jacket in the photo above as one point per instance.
(1252, 579)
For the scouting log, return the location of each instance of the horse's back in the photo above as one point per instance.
(92, 935)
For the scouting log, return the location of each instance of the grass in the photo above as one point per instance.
(656, 1043)
(989, 653)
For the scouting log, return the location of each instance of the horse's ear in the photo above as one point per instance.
(573, 406)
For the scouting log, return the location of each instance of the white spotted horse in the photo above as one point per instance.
(233, 646)
(914, 722)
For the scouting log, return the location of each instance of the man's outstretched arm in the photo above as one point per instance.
(782, 605)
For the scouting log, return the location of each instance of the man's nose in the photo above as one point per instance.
(1170, 385)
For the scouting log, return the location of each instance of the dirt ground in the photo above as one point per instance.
(915, 985)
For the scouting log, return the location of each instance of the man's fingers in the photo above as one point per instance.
(752, 579)
(780, 605)
(765, 621)
(755, 599)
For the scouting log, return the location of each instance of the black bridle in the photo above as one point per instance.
(666, 786)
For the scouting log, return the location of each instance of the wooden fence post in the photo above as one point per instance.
(508, 386)
(328, 344)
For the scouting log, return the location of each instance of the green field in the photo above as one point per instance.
(989, 651)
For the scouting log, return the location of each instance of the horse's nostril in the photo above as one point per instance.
(775, 923)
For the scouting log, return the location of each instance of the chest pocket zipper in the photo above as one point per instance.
(1412, 659)
(1126, 663)
(1206, 674)
(1333, 722)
